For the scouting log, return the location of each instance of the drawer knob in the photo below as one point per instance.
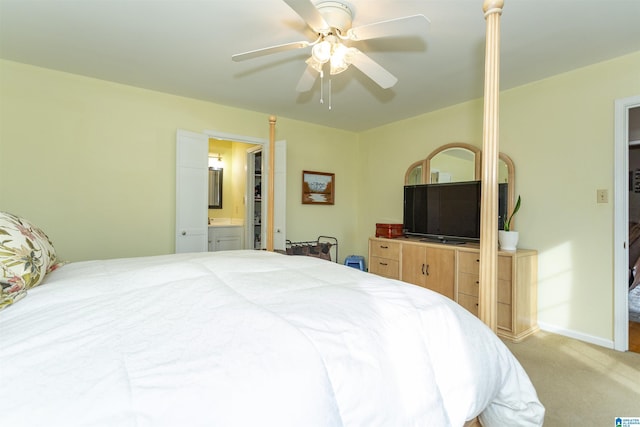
(384, 247)
(383, 263)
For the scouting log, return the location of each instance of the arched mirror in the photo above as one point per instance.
(458, 162)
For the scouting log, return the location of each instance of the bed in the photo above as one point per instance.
(242, 338)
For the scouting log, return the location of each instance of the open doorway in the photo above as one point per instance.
(634, 228)
(627, 130)
(231, 225)
(244, 148)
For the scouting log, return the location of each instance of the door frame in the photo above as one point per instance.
(279, 211)
(621, 222)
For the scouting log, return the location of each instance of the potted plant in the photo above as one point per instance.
(508, 238)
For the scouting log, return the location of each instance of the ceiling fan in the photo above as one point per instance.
(331, 21)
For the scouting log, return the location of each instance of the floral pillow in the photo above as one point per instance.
(26, 256)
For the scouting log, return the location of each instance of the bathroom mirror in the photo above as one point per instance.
(215, 188)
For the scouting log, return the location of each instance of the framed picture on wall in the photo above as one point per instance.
(318, 188)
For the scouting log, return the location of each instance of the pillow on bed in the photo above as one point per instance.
(11, 294)
(26, 256)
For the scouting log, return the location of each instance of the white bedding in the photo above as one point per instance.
(249, 338)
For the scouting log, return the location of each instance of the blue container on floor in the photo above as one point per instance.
(355, 261)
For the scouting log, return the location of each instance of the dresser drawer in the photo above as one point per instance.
(505, 317)
(504, 268)
(504, 291)
(468, 284)
(383, 249)
(384, 267)
(469, 262)
(469, 302)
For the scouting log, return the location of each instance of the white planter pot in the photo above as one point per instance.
(508, 240)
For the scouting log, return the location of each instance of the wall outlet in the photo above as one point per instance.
(602, 196)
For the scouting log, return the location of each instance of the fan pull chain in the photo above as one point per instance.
(329, 93)
(321, 87)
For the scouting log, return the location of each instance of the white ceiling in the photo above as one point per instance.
(184, 47)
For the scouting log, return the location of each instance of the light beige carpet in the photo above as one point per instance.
(580, 384)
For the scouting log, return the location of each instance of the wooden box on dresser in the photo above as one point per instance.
(454, 271)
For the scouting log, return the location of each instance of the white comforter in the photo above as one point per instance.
(249, 338)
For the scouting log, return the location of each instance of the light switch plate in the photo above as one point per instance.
(602, 196)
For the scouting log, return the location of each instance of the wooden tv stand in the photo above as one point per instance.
(453, 270)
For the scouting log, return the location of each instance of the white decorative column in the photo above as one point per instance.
(488, 293)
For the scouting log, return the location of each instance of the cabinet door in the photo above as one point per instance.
(429, 267)
(440, 270)
(225, 238)
(413, 264)
(228, 243)
(211, 238)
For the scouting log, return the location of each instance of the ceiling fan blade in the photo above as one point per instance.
(309, 13)
(372, 69)
(388, 28)
(269, 50)
(307, 79)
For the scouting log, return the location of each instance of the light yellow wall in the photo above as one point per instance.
(93, 162)
(559, 133)
(328, 153)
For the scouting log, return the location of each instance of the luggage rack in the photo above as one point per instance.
(322, 247)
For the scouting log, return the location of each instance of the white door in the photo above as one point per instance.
(192, 152)
(279, 196)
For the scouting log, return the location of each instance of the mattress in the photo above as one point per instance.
(250, 338)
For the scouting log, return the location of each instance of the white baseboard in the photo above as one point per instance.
(576, 335)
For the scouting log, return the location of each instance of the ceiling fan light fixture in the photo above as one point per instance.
(315, 64)
(337, 67)
(321, 52)
(339, 59)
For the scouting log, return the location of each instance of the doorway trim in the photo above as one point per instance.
(264, 147)
(238, 138)
(621, 222)
(278, 175)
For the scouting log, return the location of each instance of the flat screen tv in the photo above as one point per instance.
(448, 212)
